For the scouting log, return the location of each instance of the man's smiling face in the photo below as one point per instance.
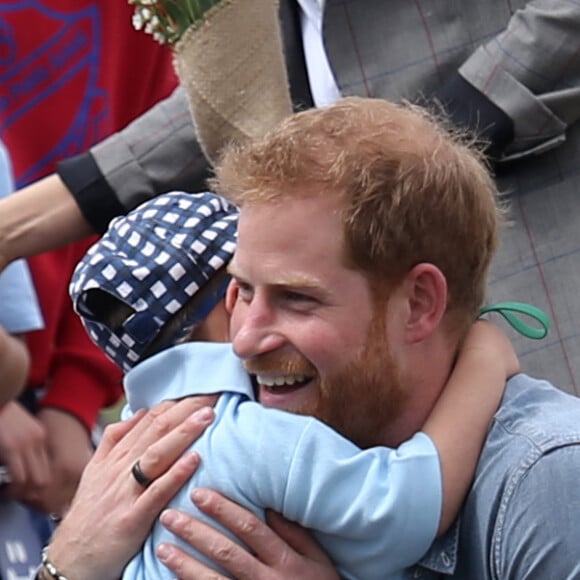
(305, 324)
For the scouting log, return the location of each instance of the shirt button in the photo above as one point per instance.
(445, 559)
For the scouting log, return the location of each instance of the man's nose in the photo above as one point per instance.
(256, 331)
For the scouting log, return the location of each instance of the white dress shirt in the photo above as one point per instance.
(320, 76)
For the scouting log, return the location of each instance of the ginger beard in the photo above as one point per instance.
(358, 401)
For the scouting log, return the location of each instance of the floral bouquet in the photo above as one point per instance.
(229, 59)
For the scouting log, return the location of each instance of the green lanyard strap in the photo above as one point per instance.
(512, 311)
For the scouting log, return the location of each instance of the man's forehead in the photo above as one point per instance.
(243, 270)
(294, 241)
(292, 211)
(304, 193)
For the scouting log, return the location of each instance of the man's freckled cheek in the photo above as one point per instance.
(323, 351)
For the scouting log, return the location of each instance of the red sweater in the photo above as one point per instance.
(78, 377)
(72, 72)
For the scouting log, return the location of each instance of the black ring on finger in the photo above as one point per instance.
(139, 476)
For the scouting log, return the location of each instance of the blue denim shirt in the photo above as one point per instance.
(521, 519)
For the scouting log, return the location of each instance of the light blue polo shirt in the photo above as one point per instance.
(374, 512)
(19, 309)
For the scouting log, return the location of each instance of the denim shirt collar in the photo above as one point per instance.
(442, 555)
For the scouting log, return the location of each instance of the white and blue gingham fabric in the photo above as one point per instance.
(154, 259)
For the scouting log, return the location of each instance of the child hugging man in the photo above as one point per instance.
(158, 276)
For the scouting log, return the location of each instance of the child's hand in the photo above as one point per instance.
(487, 339)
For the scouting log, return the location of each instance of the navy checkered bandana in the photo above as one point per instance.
(154, 259)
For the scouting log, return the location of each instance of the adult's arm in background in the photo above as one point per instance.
(156, 153)
(521, 90)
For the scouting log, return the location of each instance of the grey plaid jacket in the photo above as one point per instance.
(524, 56)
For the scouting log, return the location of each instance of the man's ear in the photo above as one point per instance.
(426, 295)
(231, 296)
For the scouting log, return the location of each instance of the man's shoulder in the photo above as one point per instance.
(532, 448)
(529, 462)
(535, 414)
(534, 420)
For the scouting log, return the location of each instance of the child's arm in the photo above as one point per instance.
(459, 421)
(14, 365)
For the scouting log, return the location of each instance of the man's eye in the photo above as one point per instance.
(297, 297)
(244, 290)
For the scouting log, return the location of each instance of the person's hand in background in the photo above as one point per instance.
(23, 451)
(69, 448)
